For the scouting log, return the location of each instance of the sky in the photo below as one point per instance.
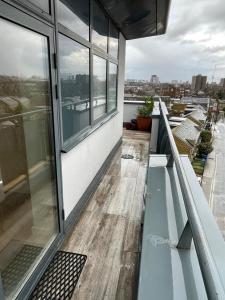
(28, 58)
(193, 44)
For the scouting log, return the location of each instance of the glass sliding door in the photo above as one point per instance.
(28, 203)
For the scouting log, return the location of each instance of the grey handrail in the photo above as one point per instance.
(213, 279)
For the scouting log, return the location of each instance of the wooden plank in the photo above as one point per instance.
(136, 207)
(123, 197)
(108, 232)
(100, 276)
(127, 285)
(102, 197)
(132, 237)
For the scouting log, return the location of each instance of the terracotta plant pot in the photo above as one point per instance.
(144, 123)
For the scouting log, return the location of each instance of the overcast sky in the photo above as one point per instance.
(194, 43)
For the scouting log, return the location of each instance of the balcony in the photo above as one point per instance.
(182, 250)
(109, 229)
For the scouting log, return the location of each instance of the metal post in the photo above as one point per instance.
(185, 238)
(170, 161)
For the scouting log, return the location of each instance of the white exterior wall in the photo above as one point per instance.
(130, 111)
(81, 164)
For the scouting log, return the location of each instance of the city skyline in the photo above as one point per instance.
(194, 44)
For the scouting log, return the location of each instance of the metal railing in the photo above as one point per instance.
(213, 275)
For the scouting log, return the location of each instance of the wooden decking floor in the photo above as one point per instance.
(108, 231)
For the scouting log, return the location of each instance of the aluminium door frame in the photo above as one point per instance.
(18, 15)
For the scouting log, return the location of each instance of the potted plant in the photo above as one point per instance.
(144, 115)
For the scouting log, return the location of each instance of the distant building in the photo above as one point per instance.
(203, 101)
(178, 109)
(222, 82)
(187, 132)
(198, 115)
(154, 79)
(198, 83)
(186, 136)
(172, 91)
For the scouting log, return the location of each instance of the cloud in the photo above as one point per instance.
(194, 43)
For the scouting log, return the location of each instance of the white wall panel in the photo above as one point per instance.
(81, 164)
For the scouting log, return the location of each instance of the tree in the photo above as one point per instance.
(220, 95)
(205, 148)
(206, 136)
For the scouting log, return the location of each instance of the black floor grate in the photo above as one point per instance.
(60, 279)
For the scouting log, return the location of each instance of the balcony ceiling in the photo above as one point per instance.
(139, 18)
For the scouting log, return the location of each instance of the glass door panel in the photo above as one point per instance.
(28, 203)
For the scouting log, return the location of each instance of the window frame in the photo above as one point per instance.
(106, 90)
(93, 50)
(92, 21)
(116, 85)
(109, 37)
(70, 141)
(11, 12)
(36, 10)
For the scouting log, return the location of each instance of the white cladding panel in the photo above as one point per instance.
(130, 111)
(81, 164)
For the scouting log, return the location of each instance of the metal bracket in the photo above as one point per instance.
(185, 238)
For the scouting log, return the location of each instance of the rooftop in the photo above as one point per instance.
(187, 131)
(199, 114)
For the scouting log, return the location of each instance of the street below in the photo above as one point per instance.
(213, 182)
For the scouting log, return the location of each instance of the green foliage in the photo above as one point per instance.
(143, 112)
(206, 136)
(198, 166)
(224, 109)
(204, 148)
(146, 110)
(220, 95)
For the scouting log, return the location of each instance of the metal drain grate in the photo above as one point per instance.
(127, 156)
(60, 279)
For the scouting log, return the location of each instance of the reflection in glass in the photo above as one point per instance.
(113, 41)
(74, 75)
(99, 87)
(112, 87)
(75, 16)
(100, 27)
(28, 210)
(42, 4)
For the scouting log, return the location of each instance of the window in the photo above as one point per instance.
(42, 4)
(75, 16)
(74, 77)
(113, 41)
(99, 86)
(28, 203)
(78, 88)
(100, 27)
(112, 87)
